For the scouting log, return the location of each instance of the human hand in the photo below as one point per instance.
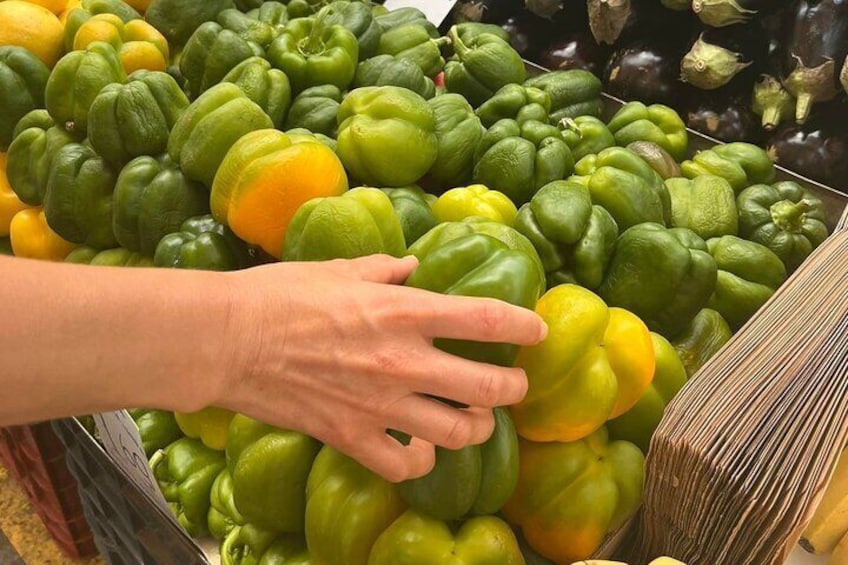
(339, 351)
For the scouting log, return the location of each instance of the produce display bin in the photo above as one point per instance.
(35, 458)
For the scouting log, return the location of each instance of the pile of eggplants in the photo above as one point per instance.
(771, 72)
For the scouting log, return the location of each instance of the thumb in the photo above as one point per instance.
(384, 268)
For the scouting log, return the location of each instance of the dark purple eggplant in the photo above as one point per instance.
(818, 148)
(486, 11)
(519, 35)
(720, 13)
(814, 52)
(726, 116)
(577, 50)
(646, 71)
(720, 54)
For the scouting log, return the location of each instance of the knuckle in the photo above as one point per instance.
(459, 434)
(394, 470)
(491, 317)
(388, 362)
(488, 390)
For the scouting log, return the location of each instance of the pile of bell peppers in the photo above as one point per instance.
(212, 137)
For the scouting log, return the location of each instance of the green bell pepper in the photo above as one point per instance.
(250, 29)
(479, 265)
(145, 189)
(303, 8)
(664, 276)
(586, 135)
(655, 123)
(358, 18)
(785, 217)
(469, 30)
(303, 133)
(574, 239)
(118, 257)
(178, 19)
(360, 222)
(573, 93)
(185, 471)
(411, 42)
(458, 131)
(202, 243)
(519, 159)
(386, 70)
(703, 337)
(268, 88)
(29, 159)
(748, 274)
(210, 126)
(36, 119)
(449, 231)
(210, 425)
(347, 508)
(249, 545)
(78, 16)
(312, 53)
(23, 78)
(416, 539)
(315, 109)
(134, 119)
(403, 16)
(637, 425)
(515, 102)
(706, 205)
(741, 164)
(223, 515)
(658, 158)
(75, 82)
(412, 207)
(482, 66)
(269, 467)
(387, 136)
(78, 202)
(275, 14)
(158, 429)
(626, 186)
(476, 480)
(210, 54)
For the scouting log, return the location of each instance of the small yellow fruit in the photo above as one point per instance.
(55, 6)
(33, 27)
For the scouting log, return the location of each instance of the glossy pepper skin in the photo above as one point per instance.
(458, 131)
(705, 335)
(574, 238)
(586, 135)
(706, 205)
(417, 539)
(403, 16)
(656, 123)
(31, 237)
(412, 43)
(347, 508)
(158, 429)
(626, 186)
(784, 217)
(139, 45)
(211, 53)
(739, 163)
(202, 243)
(210, 425)
(78, 203)
(210, 126)
(387, 136)
(573, 93)
(359, 19)
(134, 119)
(515, 102)
(274, 14)
(315, 109)
(748, 274)
(637, 425)
(252, 29)
(23, 78)
(594, 365)
(10, 204)
(118, 257)
(570, 495)
(482, 66)
(664, 276)
(387, 70)
(475, 200)
(29, 158)
(360, 222)
(268, 88)
(36, 119)
(250, 545)
(269, 467)
(185, 471)
(519, 159)
(475, 480)
(223, 515)
(412, 207)
(479, 265)
(312, 53)
(75, 82)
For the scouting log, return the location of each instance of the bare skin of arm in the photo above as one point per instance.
(336, 350)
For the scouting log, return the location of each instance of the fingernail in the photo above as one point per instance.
(544, 332)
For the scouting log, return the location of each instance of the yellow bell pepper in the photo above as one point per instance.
(210, 425)
(139, 44)
(32, 238)
(10, 204)
(476, 200)
(594, 365)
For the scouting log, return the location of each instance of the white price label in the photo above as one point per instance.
(435, 10)
(122, 442)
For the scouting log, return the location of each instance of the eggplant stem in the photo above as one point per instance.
(771, 117)
(803, 105)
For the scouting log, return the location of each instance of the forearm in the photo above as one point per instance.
(81, 339)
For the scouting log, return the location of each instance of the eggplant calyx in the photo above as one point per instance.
(607, 19)
(471, 12)
(720, 13)
(543, 8)
(789, 216)
(709, 66)
(843, 76)
(772, 102)
(810, 85)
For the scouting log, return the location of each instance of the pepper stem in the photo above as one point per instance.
(442, 42)
(789, 216)
(460, 48)
(230, 552)
(156, 459)
(314, 42)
